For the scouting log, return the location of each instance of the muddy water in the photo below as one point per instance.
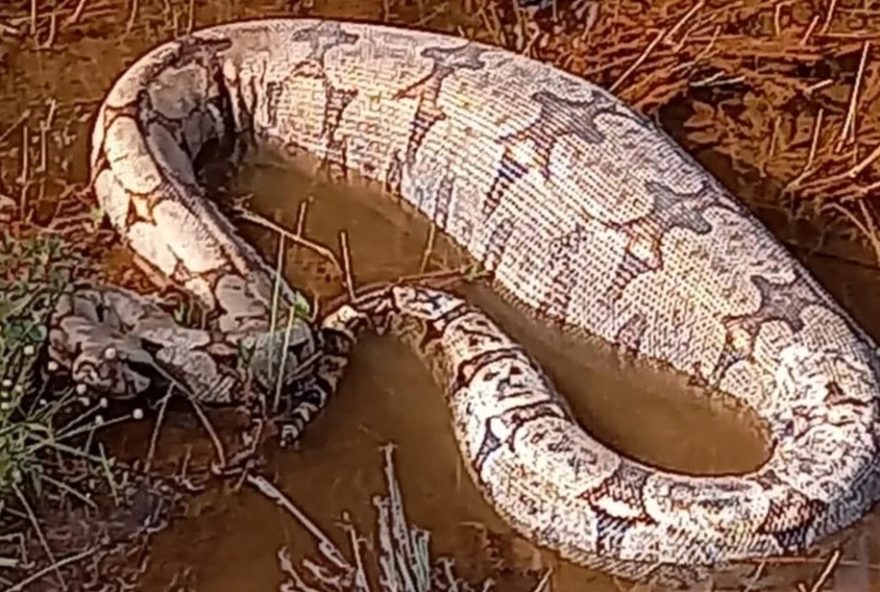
(230, 541)
(388, 242)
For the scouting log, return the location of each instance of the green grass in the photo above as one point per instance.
(38, 426)
(34, 274)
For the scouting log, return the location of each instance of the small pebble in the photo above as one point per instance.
(6, 383)
(29, 350)
(138, 413)
(84, 401)
(102, 402)
(110, 353)
(81, 389)
(99, 420)
(5, 406)
(52, 366)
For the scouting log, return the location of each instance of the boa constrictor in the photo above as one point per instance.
(584, 213)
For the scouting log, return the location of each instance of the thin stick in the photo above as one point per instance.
(762, 567)
(279, 382)
(33, 24)
(107, 471)
(70, 490)
(45, 126)
(24, 176)
(42, 537)
(191, 17)
(489, 24)
(799, 560)
(662, 35)
(774, 135)
(436, 11)
(154, 437)
(21, 119)
(438, 278)
(818, 86)
(346, 264)
(542, 584)
(77, 13)
(431, 275)
(686, 17)
(814, 142)
(826, 571)
(53, 30)
(300, 229)
(276, 294)
(132, 15)
(429, 248)
(777, 17)
(318, 248)
(865, 162)
(496, 20)
(25, 166)
(828, 16)
(212, 433)
(288, 568)
(639, 60)
(847, 134)
(44, 148)
(324, 543)
(866, 228)
(810, 28)
(301, 217)
(354, 543)
(811, 156)
(55, 566)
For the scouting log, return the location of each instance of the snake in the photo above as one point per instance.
(580, 210)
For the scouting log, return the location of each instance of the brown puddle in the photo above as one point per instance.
(388, 242)
(230, 541)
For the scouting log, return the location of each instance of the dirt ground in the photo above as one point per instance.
(779, 99)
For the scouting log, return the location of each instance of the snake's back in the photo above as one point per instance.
(583, 211)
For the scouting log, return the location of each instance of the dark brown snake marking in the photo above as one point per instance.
(586, 214)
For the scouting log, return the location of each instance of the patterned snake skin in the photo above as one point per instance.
(584, 213)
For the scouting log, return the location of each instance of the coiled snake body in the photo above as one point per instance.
(582, 211)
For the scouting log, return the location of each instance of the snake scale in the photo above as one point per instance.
(582, 211)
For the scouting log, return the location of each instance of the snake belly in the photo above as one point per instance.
(585, 214)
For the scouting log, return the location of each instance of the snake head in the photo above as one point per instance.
(283, 356)
(319, 375)
(377, 307)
